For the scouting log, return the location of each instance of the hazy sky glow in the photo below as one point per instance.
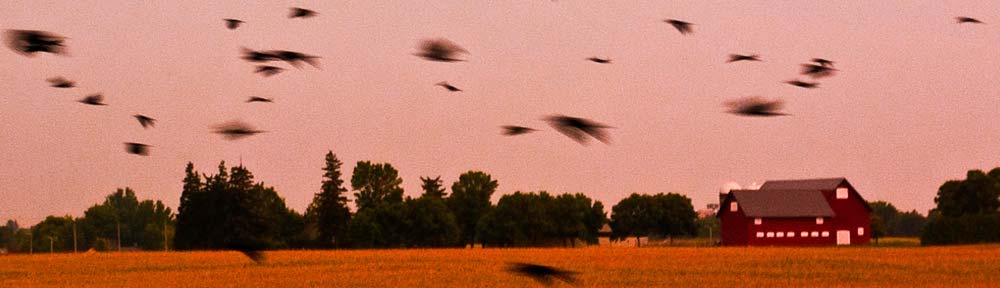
(916, 102)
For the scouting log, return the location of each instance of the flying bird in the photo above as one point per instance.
(822, 62)
(541, 273)
(145, 121)
(256, 255)
(259, 56)
(260, 99)
(578, 128)
(296, 12)
(93, 99)
(137, 148)
(511, 130)
(817, 71)
(755, 106)
(29, 42)
(739, 57)
(968, 20)
(803, 84)
(295, 58)
(449, 87)
(236, 129)
(60, 82)
(268, 70)
(681, 26)
(600, 60)
(440, 50)
(232, 24)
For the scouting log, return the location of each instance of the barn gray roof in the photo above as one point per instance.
(782, 203)
(803, 184)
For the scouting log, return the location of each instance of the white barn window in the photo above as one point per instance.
(770, 234)
(861, 231)
(804, 234)
(842, 193)
(760, 234)
(733, 207)
(814, 234)
(826, 233)
(790, 234)
(780, 235)
(757, 221)
(819, 220)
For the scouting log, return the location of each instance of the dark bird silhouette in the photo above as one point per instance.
(600, 60)
(260, 99)
(145, 121)
(822, 62)
(268, 70)
(681, 26)
(137, 148)
(259, 56)
(236, 129)
(577, 128)
(256, 255)
(738, 57)
(60, 82)
(250, 248)
(440, 50)
(968, 20)
(296, 12)
(817, 71)
(803, 84)
(449, 87)
(93, 99)
(511, 130)
(295, 58)
(232, 24)
(29, 42)
(541, 273)
(755, 106)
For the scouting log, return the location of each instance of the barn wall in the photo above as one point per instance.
(733, 226)
(851, 214)
(796, 225)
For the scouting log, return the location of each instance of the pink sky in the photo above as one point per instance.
(915, 103)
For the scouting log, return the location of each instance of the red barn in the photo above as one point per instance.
(811, 212)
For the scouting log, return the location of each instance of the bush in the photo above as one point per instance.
(964, 229)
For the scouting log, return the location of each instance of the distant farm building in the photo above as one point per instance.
(811, 212)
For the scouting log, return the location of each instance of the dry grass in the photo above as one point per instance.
(957, 266)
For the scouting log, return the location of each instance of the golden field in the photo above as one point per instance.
(954, 266)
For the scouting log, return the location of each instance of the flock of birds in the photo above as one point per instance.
(31, 42)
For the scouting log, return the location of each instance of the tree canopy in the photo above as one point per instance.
(231, 211)
(968, 211)
(470, 200)
(376, 184)
(658, 215)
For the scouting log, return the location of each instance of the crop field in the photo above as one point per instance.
(955, 266)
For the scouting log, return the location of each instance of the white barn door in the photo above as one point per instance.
(843, 237)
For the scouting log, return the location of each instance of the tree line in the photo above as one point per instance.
(230, 209)
(968, 211)
(121, 221)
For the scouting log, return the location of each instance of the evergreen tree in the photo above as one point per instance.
(433, 187)
(188, 226)
(233, 212)
(328, 210)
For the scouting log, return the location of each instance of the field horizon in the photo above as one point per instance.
(957, 266)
